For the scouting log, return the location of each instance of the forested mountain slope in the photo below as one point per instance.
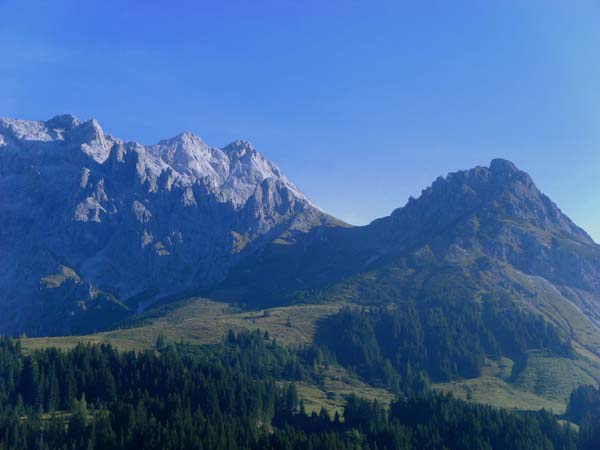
(486, 236)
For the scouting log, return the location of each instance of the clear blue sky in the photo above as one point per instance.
(361, 103)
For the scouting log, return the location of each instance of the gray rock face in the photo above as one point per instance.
(127, 221)
(498, 211)
(495, 194)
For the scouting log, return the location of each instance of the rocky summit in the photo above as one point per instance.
(93, 228)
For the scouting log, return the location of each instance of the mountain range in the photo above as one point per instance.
(95, 230)
(482, 233)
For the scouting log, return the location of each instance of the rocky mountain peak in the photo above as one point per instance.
(137, 220)
(191, 158)
(92, 140)
(498, 193)
(506, 172)
(239, 148)
(63, 121)
(185, 139)
(500, 165)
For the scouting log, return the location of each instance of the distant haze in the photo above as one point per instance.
(360, 104)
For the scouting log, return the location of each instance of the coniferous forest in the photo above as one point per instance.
(231, 396)
(405, 345)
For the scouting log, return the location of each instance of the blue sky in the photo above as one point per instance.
(361, 103)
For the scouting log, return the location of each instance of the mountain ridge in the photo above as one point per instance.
(186, 155)
(131, 221)
(487, 227)
(99, 229)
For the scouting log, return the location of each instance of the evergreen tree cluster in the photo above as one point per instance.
(424, 422)
(405, 344)
(256, 354)
(130, 400)
(584, 409)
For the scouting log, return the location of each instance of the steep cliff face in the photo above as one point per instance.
(131, 222)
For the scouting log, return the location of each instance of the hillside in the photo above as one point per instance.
(485, 233)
